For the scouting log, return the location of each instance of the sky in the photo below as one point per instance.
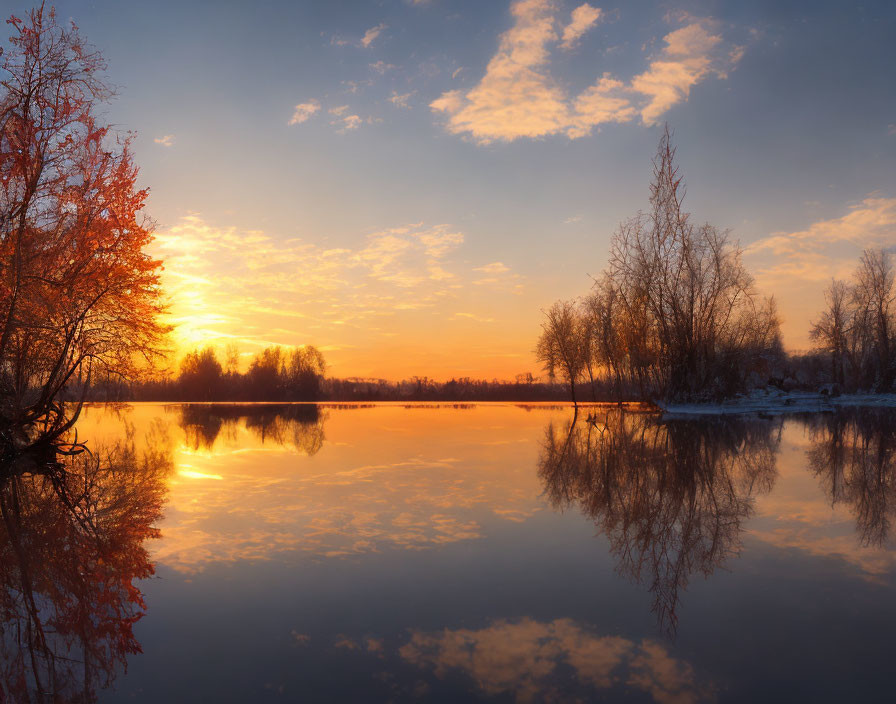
(407, 184)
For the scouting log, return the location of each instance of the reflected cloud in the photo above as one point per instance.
(266, 481)
(532, 660)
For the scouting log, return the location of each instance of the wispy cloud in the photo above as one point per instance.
(165, 140)
(518, 97)
(687, 58)
(584, 17)
(400, 100)
(303, 111)
(381, 67)
(371, 35)
(474, 317)
(226, 283)
(493, 268)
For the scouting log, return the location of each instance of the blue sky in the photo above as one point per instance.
(455, 167)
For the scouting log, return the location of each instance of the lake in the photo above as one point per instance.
(456, 552)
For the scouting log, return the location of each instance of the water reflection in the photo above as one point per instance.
(559, 660)
(71, 549)
(299, 425)
(671, 496)
(853, 453)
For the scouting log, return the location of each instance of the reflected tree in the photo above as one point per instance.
(853, 453)
(71, 549)
(299, 425)
(670, 496)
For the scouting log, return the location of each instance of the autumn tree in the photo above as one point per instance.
(79, 294)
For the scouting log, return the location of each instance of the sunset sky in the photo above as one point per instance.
(407, 183)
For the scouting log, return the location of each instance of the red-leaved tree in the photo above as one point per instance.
(79, 295)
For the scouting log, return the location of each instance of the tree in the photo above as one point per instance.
(201, 375)
(560, 347)
(875, 297)
(78, 292)
(304, 372)
(675, 314)
(265, 377)
(830, 331)
(858, 329)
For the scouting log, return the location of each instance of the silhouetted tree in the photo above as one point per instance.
(857, 331)
(560, 347)
(674, 315)
(201, 375)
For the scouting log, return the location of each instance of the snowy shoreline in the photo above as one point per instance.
(776, 403)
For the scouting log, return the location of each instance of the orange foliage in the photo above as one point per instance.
(78, 293)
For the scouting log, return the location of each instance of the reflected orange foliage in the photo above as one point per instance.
(71, 550)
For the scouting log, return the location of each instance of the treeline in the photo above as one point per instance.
(674, 316)
(274, 374)
(279, 374)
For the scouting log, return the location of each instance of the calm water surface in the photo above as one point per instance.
(490, 552)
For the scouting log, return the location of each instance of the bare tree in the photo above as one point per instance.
(830, 332)
(875, 294)
(676, 313)
(560, 347)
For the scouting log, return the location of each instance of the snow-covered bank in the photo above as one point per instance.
(778, 402)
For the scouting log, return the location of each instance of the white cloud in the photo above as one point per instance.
(518, 97)
(584, 17)
(303, 111)
(371, 34)
(165, 140)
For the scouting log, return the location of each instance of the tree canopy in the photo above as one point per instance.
(78, 291)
